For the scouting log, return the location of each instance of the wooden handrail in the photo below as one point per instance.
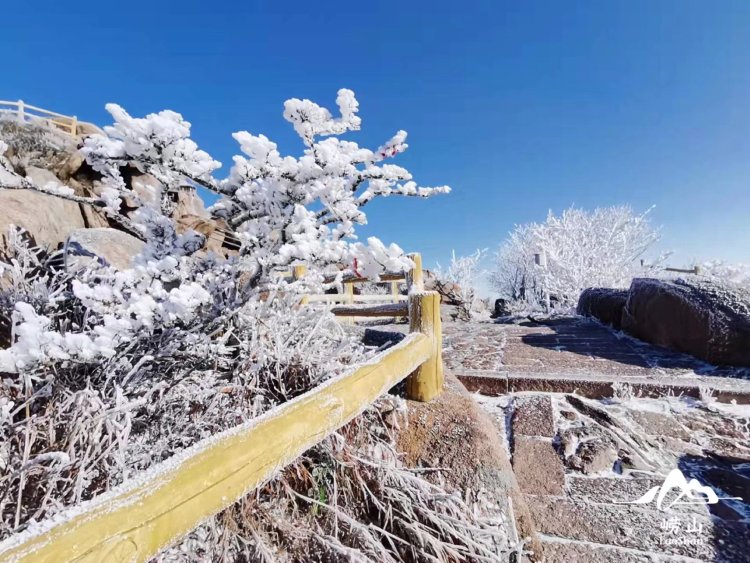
(414, 278)
(381, 310)
(136, 520)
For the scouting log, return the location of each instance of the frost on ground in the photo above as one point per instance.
(583, 479)
(107, 372)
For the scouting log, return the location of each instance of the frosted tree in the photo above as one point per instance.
(458, 283)
(512, 275)
(720, 271)
(283, 210)
(111, 372)
(566, 254)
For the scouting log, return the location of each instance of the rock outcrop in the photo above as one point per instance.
(48, 218)
(603, 304)
(705, 319)
(501, 309)
(107, 246)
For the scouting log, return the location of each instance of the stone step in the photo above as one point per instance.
(533, 416)
(538, 468)
(632, 527)
(600, 385)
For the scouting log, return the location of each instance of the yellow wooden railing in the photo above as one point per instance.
(138, 519)
(23, 113)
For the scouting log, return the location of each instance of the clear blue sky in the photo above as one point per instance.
(520, 106)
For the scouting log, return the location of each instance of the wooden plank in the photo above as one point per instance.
(342, 298)
(297, 273)
(694, 270)
(387, 276)
(136, 520)
(384, 310)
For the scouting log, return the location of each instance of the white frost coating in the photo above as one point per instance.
(140, 364)
(139, 487)
(284, 210)
(575, 250)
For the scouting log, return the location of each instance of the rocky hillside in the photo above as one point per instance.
(48, 158)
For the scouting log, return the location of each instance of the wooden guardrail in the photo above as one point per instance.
(138, 519)
(694, 270)
(25, 113)
(392, 304)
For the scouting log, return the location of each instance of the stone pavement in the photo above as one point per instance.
(578, 354)
(581, 462)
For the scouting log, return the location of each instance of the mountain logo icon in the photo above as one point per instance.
(689, 492)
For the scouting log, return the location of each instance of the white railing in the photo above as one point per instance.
(25, 113)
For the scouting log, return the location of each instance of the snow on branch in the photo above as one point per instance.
(578, 249)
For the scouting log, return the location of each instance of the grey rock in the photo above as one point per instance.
(373, 337)
(603, 304)
(705, 319)
(105, 245)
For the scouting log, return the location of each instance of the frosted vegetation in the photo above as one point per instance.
(549, 264)
(106, 373)
(725, 272)
(458, 283)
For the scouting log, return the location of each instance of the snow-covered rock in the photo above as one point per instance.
(603, 304)
(110, 246)
(706, 319)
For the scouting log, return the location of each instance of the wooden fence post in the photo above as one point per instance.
(415, 276)
(74, 126)
(349, 299)
(426, 382)
(394, 291)
(21, 116)
(297, 273)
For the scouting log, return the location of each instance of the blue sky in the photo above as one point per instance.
(520, 106)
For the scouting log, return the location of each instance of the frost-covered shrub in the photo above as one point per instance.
(107, 372)
(457, 284)
(550, 263)
(725, 272)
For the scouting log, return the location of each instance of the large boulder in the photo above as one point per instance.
(603, 304)
(47, 218)
(106, 246)
(706, 319)
(502, 308)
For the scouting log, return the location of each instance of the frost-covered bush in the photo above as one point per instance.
(457, 283)
(33, 144)
(725, 272)
(550, 263)
(107, 372)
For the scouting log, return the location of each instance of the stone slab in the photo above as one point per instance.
(533, 416)
(538, 468)
(638, 528)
